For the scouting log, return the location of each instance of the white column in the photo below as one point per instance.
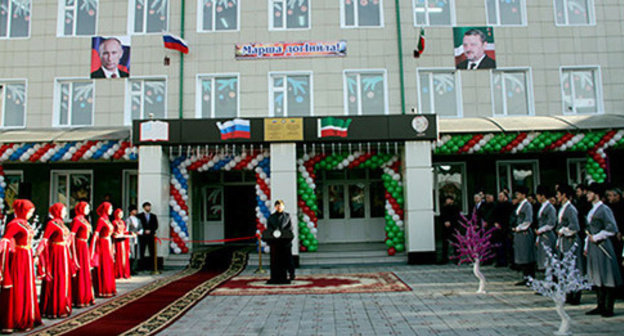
(284, 183)
(154, 175)
(418, 185)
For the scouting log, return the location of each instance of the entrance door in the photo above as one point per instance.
(240, 211)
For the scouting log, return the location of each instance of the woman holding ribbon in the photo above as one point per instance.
(122, 246)
(102, 253)
(18, 295)
(82, 285)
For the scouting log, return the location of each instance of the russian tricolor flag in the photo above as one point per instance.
(175, 43)
(234, 129)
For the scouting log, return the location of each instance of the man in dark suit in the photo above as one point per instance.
(474, 44)
(280, 227)
(149, 223)
(111, 51)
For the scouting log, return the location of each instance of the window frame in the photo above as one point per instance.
(598, 83)
(125, 177)
(200, 19)
(212, 76)
(345, 89)
(128, 99)
(428, 19)
(285, 28)
(57, 100)
(529, 91)
(68, 173)
(591, 9)
(3, 83)
(578, 162)
(524, 23)
(60, 27)
(8, 36)
(270, 90)
(508, 163)
(436, 190)
(458, 91)
(132, 18)
(357, 25)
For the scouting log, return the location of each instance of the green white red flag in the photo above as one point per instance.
(421, 43)
(333, 127)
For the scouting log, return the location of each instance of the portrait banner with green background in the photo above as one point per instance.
(464, 50)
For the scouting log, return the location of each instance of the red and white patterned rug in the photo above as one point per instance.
(314, 284)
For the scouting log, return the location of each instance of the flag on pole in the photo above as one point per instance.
(175, 43)
(421, 43)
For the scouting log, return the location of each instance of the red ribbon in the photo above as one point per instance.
(159, 240)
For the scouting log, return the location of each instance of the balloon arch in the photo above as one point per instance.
(310, 163)
(256, 160)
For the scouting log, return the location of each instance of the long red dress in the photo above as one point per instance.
(18, 295)
(82, 285)
(122, 247)
(57, 266)
(103, 254)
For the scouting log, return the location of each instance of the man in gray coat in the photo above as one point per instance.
(602, 267)
(568, 231)
(546, 222)
(524, 239)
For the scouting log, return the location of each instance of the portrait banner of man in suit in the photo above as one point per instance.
(474, 48)
(110, 57)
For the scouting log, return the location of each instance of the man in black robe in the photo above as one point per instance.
(279, 235)
(449, 216)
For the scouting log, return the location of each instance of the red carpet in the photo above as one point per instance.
(148, 310)
(315, 284)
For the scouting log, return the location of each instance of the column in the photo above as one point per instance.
(154, 175)
(284, 183)
(419, 220)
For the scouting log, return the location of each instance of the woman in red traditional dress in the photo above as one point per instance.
(57, 265)
(122, 246)
(102, 253)
(82, 286)
(18, 295)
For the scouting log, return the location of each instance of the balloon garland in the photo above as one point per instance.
(307, 200)
(593, 142)
(255, 160)
(68, 151)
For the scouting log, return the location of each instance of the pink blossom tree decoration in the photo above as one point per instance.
(474, 246)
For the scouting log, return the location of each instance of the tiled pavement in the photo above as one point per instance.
(443, 302)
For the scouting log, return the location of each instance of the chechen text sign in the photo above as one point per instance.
(291, 49)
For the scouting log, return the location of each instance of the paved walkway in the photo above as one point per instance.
(443, 302)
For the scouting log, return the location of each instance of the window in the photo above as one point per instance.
(290, 94)
(13, 104)
(434, 12)
(450, 180)
(289, 14)
(147, 97)
(71, 186)
(218, 15)
(130, 189)
(74, 103)
(574, 12)
(439, 92)
(148, 16)
(365, 92)
(361, 13)
(77, 17)
(217, 96)
(512, 93)
(15, 18)
(577, 172)
(506, 12)
(12, 178)
(581, 90)
(357, 193)
(511, 174)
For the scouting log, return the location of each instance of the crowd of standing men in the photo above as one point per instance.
(588, 219)
(75, 262)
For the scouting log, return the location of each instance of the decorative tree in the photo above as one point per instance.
(474, 246)
(561, 277)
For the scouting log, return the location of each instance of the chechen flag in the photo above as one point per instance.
(175, 43)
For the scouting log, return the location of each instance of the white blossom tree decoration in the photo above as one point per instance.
(561, 277)
(474, 246)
